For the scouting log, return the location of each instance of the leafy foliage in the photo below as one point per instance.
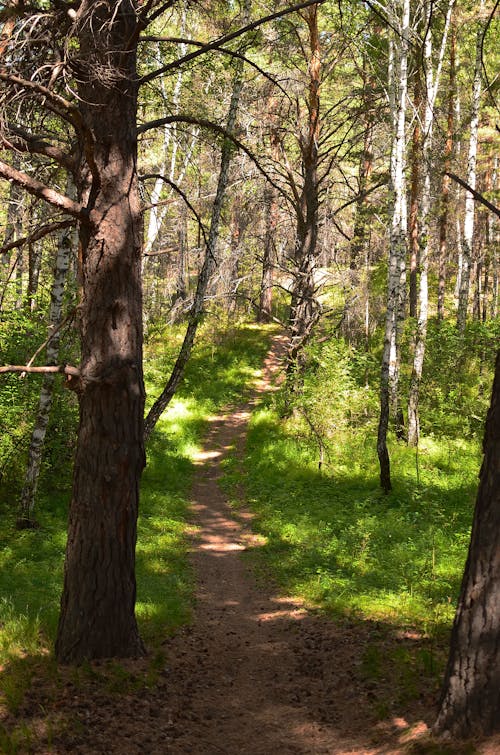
(331, 536)
(31, 561)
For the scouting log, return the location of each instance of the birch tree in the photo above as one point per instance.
(468, 225)
(398, 82)
(65, 248)
(432, 79)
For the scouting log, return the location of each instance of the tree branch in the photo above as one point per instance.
(54, 102)
(44, 230)
(36, 145)
(217, 43)
(231, 53)
(40, 190)
(358, 197)
(50, 337)
(182, 194)
(204, 123)
(64, 369)
(477, 196)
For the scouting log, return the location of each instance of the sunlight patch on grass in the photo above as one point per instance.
(332, 537)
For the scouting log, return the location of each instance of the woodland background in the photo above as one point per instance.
(306, 175)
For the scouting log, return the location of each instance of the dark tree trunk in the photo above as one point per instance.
(416, 159)
(269, 256)
(470, 701)
(304, 308)
(97, 605)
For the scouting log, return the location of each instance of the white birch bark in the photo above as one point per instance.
(432, 80)
(468, 228)
(35, 452)
(397, 249)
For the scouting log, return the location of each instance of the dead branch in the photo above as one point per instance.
(64, 369)
(40, 233)
(50, 337)
(477, 196)
(40, 190)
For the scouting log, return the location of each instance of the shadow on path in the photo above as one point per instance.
(255, 673)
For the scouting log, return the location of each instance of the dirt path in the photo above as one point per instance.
(254, 674)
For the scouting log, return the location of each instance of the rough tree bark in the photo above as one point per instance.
(470, 699)
(97, 606)
(304, 308)
(270, 201)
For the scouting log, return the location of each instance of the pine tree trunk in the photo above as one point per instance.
(304, 308)
(470, 700)
(97, 616)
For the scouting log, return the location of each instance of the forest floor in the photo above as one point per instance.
(255, 673)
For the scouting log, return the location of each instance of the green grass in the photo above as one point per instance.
(331, 536)
(334, 539)
(31, 561)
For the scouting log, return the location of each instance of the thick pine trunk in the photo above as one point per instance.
(470, 701)
(97, 606)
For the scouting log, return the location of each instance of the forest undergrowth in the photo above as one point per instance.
(328, 535)
(31, 561)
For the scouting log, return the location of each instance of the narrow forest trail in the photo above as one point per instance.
(255, 673)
